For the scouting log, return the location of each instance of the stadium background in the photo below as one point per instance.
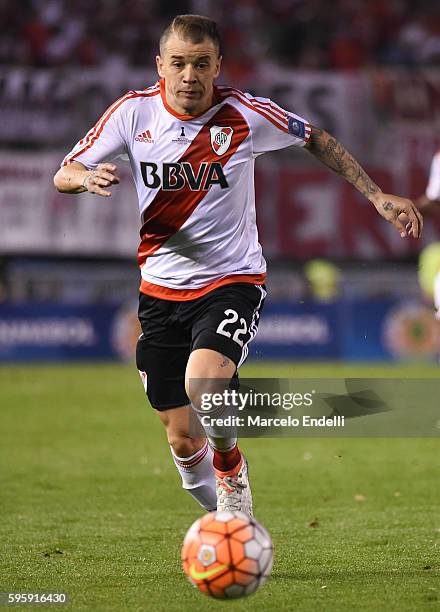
(365, 71)
(90, 499)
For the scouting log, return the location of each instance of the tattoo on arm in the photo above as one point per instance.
(225, 362)
(388, 206)
(331, 153)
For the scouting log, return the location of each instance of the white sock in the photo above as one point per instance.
(197, 473)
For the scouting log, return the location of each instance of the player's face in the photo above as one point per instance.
(189, 71)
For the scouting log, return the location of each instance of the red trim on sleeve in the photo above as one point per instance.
(96, 131)
(268, 109)
(308, 132)
(272, 108)
(267, 114)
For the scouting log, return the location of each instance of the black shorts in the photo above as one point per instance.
(224, 320)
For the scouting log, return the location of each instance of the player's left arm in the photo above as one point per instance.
(334, 155)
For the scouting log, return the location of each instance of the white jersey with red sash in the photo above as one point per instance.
(195, 183)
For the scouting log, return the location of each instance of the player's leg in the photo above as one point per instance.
(227, 323)
(183, 443)
(192, 456)
(209, 372)
(191, 453)
(162, 354)
(205, 368)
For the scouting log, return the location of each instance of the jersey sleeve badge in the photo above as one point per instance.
(296, 128)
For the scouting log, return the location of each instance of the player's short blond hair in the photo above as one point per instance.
(194, 28)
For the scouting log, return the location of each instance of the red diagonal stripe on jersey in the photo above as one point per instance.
(170, 209)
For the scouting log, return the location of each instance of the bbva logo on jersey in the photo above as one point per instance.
(221, 138)
(179, 175)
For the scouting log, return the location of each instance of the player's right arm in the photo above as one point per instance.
(76, 178)
(88, 166)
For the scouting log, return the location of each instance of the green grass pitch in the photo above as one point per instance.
(91, 503)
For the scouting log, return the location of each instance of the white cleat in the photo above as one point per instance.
(234, 490)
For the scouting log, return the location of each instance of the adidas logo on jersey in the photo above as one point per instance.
(179, 175)
(144, 137)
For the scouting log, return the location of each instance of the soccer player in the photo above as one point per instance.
(429, 260)
(192, 147)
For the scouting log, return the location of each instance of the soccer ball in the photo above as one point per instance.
(227, 554)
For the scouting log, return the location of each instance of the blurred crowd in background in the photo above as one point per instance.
(308, 34)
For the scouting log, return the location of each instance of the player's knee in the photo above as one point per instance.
(200, 390)
(183, 445)
(208, 372)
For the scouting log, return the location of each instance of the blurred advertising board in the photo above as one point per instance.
(379, 329)
(59, 332)
(347, 329)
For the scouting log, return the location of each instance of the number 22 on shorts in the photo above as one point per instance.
(231, 318)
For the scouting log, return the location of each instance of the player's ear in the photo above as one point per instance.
(159, 65)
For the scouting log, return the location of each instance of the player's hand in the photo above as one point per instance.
(96, 180)
(399, 211)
